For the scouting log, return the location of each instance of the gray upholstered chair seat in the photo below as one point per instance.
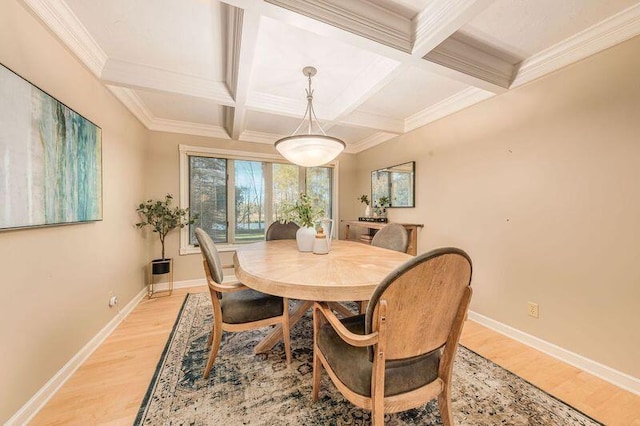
(352, 365)
(249, 305)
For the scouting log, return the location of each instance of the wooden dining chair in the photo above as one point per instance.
(281, 231)
(399, 355)
(235, 306)
(393, 237)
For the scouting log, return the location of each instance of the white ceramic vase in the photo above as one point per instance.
(305, 237)
(367, 211)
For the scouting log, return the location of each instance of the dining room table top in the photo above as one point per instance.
(349, 272)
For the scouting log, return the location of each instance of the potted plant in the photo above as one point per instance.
(162, 217)
(364, 199)
(305, 215)
(383, 202)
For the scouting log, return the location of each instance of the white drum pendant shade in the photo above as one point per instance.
(309, 149)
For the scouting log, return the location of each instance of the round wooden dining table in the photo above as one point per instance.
(349, 272)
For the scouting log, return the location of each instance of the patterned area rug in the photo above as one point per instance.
(248, 389)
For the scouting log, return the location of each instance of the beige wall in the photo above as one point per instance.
(541, 187)
(163, 176)
(55, 282)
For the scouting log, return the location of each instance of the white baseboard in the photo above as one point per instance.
(615, 377)
(181, 284)
(25, 414)
(28, 411)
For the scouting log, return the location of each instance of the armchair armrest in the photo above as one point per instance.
(353, 339)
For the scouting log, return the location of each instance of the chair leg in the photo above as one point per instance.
(317, 371)
(286, 335)
(444, 403)
(210, 339)
(377, 417)
(216, 339)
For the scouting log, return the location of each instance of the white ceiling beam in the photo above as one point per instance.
(471, 57)
(273, 104)
(137, 76)
(440, 19)
(242, 34)
(357, 16)
(296, 19)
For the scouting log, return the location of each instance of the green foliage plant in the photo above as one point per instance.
(364, 199)
(302, 211)
(162, 217)
(383, 201)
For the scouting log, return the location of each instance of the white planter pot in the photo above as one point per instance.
(305, 237)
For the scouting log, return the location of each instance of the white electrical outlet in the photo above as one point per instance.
(113, 301)
(533, 310)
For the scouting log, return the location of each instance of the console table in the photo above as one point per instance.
(412, 230)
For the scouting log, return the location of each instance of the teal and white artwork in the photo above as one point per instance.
(50, 159)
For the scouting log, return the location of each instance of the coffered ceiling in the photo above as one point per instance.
(233, 69)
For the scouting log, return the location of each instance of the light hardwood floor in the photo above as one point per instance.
(108, 388)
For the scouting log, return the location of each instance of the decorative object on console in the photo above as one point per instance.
(305, 214)
(310, 149)
(162, 217)
(364, 199)
(373, 219)
(52, 159)
(381, 207)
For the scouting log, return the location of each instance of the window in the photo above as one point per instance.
(237, 196)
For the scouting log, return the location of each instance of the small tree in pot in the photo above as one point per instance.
(162, 217)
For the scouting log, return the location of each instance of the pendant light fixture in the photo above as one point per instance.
(309, 149)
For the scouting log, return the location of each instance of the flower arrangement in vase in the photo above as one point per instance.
(381, 206)
(364, 199)
(305, 214)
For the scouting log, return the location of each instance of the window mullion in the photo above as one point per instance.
(267, 171)
(231, 201)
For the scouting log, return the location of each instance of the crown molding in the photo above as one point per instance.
(128, 74)
(259, 137)
(56, 15)
(369, 142)
(457, 102)
(373, 121)
(358, 17)
(605, 34)
(130, 99)
(187, 128)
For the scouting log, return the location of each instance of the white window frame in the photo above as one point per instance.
(201, 151)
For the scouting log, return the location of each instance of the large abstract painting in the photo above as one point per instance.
(50, 159)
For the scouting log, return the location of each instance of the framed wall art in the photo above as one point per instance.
(50, 159)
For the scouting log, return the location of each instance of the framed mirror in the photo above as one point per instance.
(396, 183)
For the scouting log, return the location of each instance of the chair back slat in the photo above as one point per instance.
(423, 297)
